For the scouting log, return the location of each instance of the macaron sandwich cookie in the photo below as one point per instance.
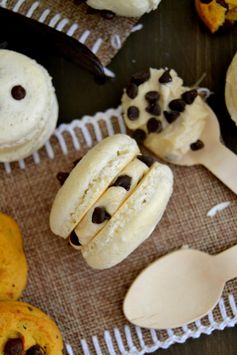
(111, 201)
(231, 89)
(164, 115)
(29, 108)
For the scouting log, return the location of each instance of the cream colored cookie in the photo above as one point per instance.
(133, 222)
(29, 108)
(88, 181)
(122, 186)
(163, 114)
(231, 89)
(13, 265)
(128, 8)
(25, 329)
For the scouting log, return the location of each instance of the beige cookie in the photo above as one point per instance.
(231, 89)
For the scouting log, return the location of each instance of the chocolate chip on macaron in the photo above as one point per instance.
(171, 116)
(141, 77)
(132, 90)
(100, 215)
(189, 96)
(177, 105)
(154, 109)
(146, 159)
(133, 113)
(154, 125)
(35, 350)
(139, 135)
(18, 92)
(165, 77)
(123, 181)
(73, 239)
(152, 96)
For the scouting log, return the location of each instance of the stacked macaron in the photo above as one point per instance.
(112, 199)
(29, 108)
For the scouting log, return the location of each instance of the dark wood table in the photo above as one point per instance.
(173, 37)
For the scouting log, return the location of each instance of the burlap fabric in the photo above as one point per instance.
(85, 302)
(106, 35)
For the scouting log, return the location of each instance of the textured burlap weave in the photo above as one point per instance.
(85, 302)
(99, 28)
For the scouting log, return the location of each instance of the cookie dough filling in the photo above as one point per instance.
(106, 206)
(167, 117)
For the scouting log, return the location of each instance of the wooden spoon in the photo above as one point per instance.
(179, 288)
(221, 161)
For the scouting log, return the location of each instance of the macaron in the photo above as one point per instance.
(29, 108)
(25, 329)
(13, 264)
(231, 89)
(111, 201)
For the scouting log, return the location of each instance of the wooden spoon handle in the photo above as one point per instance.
(222, 162)
(228, 263)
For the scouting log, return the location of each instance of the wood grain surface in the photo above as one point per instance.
(174, 37)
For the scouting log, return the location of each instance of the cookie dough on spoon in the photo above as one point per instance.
(176, 124)
(29, 108)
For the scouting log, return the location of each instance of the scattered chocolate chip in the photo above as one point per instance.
(35, 350)
(75, 162)
(62, 177)
(133, 113)
(100, 215)
(189, 96)
(123, 181)
(154, 109)
(139, 135)
(106, 14)
(79, 2)
(146, 160)
(171, 116)
(92, 11)
(165, 77)
(141, 77)
(18, 92)
(74, 239)
(154, 125)
(152, 96)
(177, 105)
(197, 145)
(132, 90)
(14, 347)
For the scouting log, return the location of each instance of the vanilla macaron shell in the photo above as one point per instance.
(133, 222)
(128, 8)
(89, 180)
(111, 200)
(25, 123)
(231, 89)
(173, 139)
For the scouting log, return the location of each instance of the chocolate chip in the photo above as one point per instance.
(197, 145)
(123, 181)
(75, 162)
(92, 11)
(141, 77)
(171, 116)
(132, 90)
(152, 96)
(165, 77)
(177, 105)
(62, 177)
(139, 135)
(100, 215)
(133, 113)
(18, 92)
(189, 96)
(35, 350)
(146, 160)
(154, 125)
(14, 347)
(106, 14)
(74, 239)
(154, 109)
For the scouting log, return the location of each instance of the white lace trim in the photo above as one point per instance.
(59, 23)
(119, 341)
